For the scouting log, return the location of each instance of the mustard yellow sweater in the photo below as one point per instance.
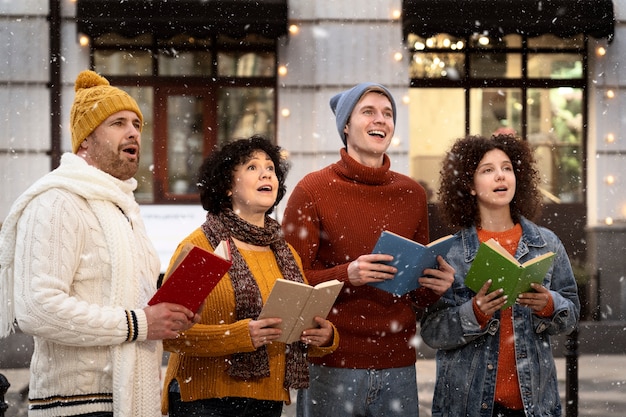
(199, 357)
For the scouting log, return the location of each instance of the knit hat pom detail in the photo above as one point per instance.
(95, 100)
(88, 79)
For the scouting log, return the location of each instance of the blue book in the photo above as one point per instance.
(410, 258)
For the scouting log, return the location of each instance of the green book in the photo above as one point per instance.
(494, 262)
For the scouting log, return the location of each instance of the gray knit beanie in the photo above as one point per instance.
(343, 103)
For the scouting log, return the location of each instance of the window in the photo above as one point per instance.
(195, 94)
(479, 84)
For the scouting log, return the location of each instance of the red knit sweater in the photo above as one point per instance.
(337, 214)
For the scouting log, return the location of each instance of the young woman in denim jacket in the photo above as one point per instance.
(493, 361)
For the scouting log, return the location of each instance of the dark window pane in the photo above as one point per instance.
(138, 63)
(243, 112)
(555, 66)
(246, 64)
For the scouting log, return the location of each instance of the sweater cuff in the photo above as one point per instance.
(319, 351)
(137, 325)
(481, 318)
(548, 310)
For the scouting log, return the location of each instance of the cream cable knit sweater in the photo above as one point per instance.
(75, 260)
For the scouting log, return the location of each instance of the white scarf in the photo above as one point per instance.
(100, 190)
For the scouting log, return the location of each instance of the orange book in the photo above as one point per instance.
(193, 276)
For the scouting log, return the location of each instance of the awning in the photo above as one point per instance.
(165, 19)
(461, 18)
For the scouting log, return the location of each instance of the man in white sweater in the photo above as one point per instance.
(77, 270)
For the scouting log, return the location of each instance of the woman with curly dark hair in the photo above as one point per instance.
(230, 364)
(215, 176)
(495, 361)
(459, 207)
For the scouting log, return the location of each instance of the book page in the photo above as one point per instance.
(181, 255)
(440, 240)
(223, 250)
(538, 259)
(493, 244)
(332, 284)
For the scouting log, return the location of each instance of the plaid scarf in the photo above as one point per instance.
(248, 301)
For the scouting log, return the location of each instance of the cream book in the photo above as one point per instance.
(298, 304)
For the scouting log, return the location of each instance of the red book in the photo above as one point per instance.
(193, 276)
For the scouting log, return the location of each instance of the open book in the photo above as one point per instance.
(410, 258)
(493, 262)
(193, 275)
(298, 304)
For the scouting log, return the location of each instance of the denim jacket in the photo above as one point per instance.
(467, 355)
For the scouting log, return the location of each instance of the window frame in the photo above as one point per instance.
(206, 85)
(524, 83)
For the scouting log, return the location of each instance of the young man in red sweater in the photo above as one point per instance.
(333, 219)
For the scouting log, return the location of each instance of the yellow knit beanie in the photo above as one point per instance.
(96, 100)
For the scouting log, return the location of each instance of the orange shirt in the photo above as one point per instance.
(507, 386)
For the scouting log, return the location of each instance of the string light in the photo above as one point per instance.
(83, 40)
(607, 189)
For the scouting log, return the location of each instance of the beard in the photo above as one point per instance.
(115, 162)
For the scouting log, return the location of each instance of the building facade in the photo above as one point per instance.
(205, 72)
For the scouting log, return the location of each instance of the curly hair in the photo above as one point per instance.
(458, 207)
(215, 176)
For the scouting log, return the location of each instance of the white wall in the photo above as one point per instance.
(24, 92)
(24, 98)
(339, 44)
(607, 116)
